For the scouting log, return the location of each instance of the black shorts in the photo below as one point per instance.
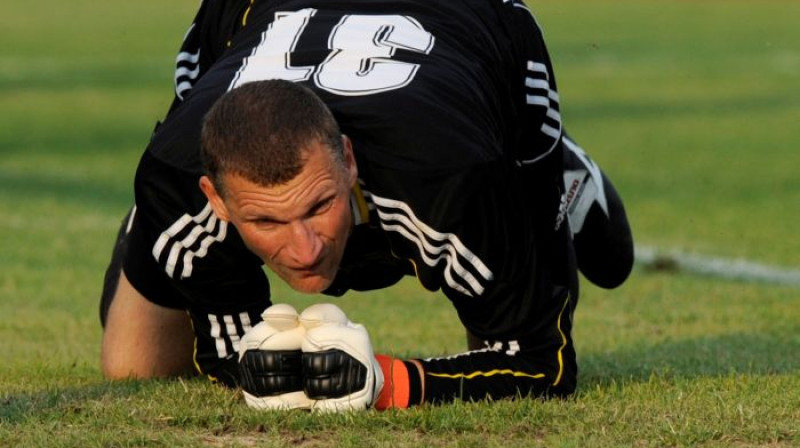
(111, 279)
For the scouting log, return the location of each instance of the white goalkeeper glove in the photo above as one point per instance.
(270, 361)
(318, 360)
(340, 371)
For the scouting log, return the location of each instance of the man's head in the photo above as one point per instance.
(259, 131)
(280, 171)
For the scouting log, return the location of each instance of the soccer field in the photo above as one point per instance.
(692, 108)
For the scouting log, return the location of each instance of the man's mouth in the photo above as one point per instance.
(310, 269)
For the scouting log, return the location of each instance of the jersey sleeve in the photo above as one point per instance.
(206, 39)
(539, 126)
(181, 256)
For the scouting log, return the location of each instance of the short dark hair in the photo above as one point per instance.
(260, 130)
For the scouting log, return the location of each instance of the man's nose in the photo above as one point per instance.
(305, 243)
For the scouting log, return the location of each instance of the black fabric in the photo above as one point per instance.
(112, 275)
(415, 389)
(544, 366)
(604, 246)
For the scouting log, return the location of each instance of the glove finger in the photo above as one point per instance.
(339, 367)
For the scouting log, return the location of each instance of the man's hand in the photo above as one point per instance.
(318, 360)
(270, 361)
(340, 371)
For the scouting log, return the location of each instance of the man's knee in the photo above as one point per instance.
(604, 247)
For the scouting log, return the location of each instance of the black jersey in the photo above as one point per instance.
(453, 112)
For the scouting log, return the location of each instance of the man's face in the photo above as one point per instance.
(299, 229)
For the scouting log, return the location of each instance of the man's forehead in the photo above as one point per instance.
(318, 178)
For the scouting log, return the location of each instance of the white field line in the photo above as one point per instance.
(736, 269)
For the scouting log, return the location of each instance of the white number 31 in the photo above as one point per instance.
(360, 61)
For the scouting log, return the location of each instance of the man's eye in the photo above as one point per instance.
(322, 206)
(265, 223)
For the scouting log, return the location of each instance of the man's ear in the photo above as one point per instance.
(350, 161)
(214, 198)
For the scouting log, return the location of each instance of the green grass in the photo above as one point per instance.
(691, 107)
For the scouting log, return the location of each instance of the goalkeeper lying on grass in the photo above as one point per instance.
(400, 140)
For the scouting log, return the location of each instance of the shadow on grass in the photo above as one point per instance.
(33, 187)
(739, 353)
(57, 402)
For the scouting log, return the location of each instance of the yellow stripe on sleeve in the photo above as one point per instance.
(478, 373)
